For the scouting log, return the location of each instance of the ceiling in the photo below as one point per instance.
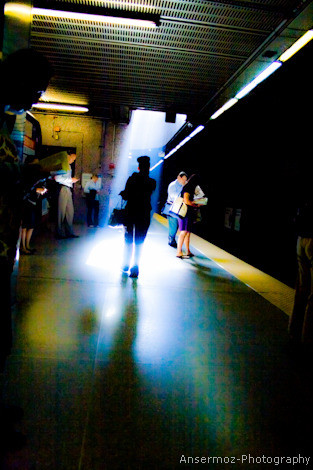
(198, 54)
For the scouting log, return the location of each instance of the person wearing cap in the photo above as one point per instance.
(173, 191)
(138, 190)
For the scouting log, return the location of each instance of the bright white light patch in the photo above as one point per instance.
(96, 18)
(226, 106)
(184, 141)
(107, 254)
(61, 107)
(262, 76)
(17, 10)
(297, 46)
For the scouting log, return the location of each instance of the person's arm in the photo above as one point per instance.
(65, 180)
(188, 201)
(125, 192)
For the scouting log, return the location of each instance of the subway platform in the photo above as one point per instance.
(189, 366)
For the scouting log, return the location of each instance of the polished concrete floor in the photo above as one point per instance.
(185, 362)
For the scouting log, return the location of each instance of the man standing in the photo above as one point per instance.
(91, 190)
(173, 190)
(138, 190)
(65, 201)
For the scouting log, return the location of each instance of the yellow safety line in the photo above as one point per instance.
(271, 289)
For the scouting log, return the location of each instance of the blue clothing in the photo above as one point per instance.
(93, 185)
(173, 190)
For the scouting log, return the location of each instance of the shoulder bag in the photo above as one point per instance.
(178, 208)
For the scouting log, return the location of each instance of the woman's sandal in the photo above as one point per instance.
(25, 252)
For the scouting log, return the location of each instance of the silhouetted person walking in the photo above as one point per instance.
(138, 190)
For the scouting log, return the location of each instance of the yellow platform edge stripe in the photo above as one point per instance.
(274, 291)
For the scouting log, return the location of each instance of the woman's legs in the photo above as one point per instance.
(23, 239)
(29, 233)
(26, 234)
(180, 242)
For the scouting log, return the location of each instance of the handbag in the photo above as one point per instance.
(118, 215)
(179, 208)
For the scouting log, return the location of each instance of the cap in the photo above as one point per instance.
(143, 160)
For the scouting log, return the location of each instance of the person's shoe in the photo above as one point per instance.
(134, 272)
(25, 252)
(173, 244)
(125, 269)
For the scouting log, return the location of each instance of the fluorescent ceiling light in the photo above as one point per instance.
(17, 10)
(71, 15)
(196, 131)
(157, 164)
(226, 106)
(258, 79)
(193, 133)
(297, 46)
(61, 107)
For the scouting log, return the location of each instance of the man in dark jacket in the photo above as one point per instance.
(138, 190)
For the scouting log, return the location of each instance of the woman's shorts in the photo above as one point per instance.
(186, 224)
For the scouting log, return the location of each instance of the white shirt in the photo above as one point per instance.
(65, 179)
(173, 190)
(91, 184)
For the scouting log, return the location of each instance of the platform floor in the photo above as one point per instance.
(188, 361)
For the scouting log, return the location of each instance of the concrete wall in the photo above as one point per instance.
(97, 146)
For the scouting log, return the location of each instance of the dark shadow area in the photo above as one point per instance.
(254, 160)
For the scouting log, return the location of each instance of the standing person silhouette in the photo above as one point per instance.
(65, 200)
(91, 190)
(174, 189)
(138, 190)
(186, 224)
(24, 75)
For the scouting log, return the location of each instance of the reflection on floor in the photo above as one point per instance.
(155, 373)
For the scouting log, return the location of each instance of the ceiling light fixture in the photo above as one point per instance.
(258, 79)
(226, 106)
(61, 107)
(157, 164)
(190, 136)
(59, 9)
(17, 10)
(297, 46)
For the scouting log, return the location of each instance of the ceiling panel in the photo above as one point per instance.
(179, 66)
